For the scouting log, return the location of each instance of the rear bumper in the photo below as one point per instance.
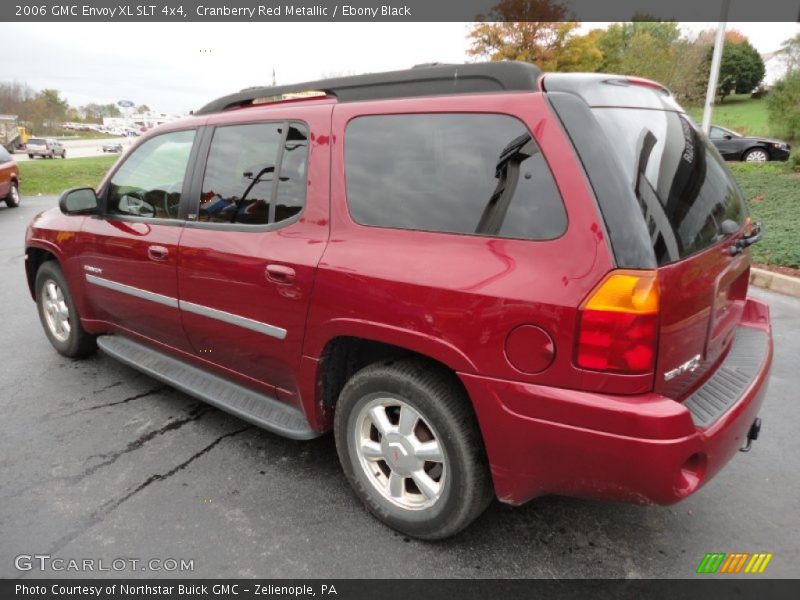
(644, 448)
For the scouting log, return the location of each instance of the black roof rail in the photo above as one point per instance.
(422, 80)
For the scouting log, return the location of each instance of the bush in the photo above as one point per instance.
(783, 107)
(794, 161)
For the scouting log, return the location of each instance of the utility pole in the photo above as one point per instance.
(716, 60)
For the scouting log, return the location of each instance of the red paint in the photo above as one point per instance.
(502, 313)
(9, 173)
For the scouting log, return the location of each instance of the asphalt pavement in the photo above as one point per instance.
(98, 462)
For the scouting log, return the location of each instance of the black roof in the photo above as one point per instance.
(423, 80)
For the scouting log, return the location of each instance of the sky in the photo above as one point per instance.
(178, 67)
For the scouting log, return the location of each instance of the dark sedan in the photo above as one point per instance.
(735, 146)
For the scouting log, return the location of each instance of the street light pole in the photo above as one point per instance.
(716, 60)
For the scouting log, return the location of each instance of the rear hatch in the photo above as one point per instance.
(670, 204)
(36, 142)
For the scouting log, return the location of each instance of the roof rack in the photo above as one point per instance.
(421, 80)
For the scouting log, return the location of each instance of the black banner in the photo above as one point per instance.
(393, 589)
(398, 11)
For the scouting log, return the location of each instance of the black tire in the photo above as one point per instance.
(63, 154)
(30, 156)
(12, 200)
(78, 343)
(438, 398)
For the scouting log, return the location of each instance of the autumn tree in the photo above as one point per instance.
(533, 31)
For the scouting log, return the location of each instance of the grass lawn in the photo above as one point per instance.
(54, 176)
(774, 199)
(739, 112)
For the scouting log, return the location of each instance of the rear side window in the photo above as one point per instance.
(255, 174)
(479, 174)
(4, 155)
(684, 190)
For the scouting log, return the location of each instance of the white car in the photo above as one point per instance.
(46, 148)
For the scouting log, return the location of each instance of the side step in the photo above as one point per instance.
(261, 410)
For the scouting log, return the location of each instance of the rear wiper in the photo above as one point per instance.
(746, 240)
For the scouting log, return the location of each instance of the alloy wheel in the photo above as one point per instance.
(400, 453)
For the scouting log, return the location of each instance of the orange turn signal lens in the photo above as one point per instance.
(633, 292)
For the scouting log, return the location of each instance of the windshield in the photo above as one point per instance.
(684, 190)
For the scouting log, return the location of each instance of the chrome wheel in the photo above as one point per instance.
(756, 156)
(400, 453)
(56, 312)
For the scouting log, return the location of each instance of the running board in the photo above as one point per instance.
(259, 409)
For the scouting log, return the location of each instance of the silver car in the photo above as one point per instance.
(46, 148)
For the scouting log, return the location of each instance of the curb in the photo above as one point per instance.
(775, 282)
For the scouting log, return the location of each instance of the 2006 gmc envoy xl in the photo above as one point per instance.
(487, 281)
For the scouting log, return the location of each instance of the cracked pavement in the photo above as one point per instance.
(100, 461)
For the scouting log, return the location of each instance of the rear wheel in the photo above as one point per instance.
(756, 155)
(30, 155)
(58, 313)
(409, 445)
(12, 200)
(63, 154)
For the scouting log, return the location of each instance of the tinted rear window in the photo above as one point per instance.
(36, 142)
(474, 174)
(684, 190)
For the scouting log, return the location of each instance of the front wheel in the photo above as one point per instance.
(30, 156)
(756, 155)
(12, 200)
(58, 313)
(409, 444)
(63, 154)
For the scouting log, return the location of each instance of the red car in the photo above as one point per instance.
(486, 281)
(9, 179)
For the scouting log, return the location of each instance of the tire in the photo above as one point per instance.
(30, 156)
(12, 200)
(56, 307)
(756, 155)
(63, 154)
(456, 476)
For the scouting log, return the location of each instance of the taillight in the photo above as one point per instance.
(618, 324)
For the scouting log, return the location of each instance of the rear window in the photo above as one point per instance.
(479, 174)
(36, 142)
(684, 190)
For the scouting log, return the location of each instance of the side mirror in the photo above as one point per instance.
(79, 201)
(728, 136)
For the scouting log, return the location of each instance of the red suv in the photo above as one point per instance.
(485, 280)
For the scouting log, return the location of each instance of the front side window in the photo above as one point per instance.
(255, 174)
(480, 174)
(150, 181)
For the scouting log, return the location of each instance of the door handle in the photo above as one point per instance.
(280, 273)
(159, 253)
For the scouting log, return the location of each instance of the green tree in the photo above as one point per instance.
(142, 108)
(783, 107)
(741, 69)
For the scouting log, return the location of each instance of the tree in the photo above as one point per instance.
(529, 30)
(142, 109)
(741, 69)
(790, 50)
(783, 106)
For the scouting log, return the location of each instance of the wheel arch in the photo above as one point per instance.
(35, 257)
(336, 357)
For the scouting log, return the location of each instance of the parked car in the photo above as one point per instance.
(9, 179)
(735, 146)
(112, 147)
(46, 148)
(449, 268)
